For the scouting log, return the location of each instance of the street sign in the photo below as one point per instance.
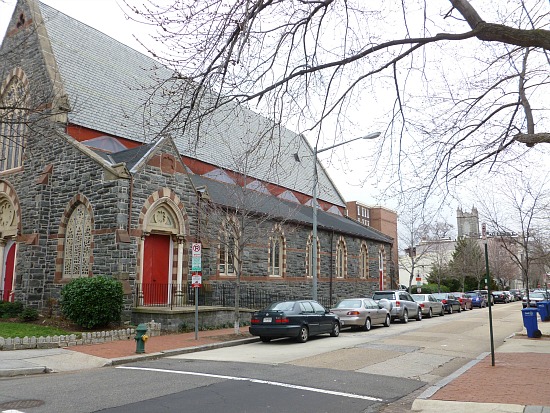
(196, 256)
(196, 280)
(196, 264)
(196, 249)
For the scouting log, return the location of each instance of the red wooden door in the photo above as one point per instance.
(8, 273)
(156, 269)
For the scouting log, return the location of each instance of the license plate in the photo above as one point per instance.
(267, 320)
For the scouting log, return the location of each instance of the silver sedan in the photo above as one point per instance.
(429, 304)
(361, 313)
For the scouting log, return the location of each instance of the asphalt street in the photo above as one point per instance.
(358, 371)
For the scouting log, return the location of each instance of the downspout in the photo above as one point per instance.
(331, 268)
(135, 294)
(130, 201)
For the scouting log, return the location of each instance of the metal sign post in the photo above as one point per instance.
(196, 280)
(489, 297)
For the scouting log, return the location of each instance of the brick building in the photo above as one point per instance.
(93, 182)
(377, 217)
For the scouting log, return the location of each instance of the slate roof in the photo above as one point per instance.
(232, 196)
(108, 84)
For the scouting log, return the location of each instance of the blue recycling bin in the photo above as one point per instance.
(543, 308)
(530, 322)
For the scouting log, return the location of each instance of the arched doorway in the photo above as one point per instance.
(157, 264)
(9, 271)
(8, 246)
(162, 250)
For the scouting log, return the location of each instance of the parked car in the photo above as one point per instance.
(517, 294)
(485, 293)
(500, 297)
(534, 298)
(299, 319)
(429, 304)
(478, 300)
(362, 313)
(402, 305)
(465, 301)
(511, 297)
(450, 303)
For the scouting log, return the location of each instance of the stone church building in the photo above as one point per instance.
(95, 181)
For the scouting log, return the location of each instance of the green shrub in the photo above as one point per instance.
(28, 314)
(431, 288)
(10, 309)
(92, 302)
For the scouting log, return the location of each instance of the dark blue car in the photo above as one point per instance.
(298, 319)
(478, 300)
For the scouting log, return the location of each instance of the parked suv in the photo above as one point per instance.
(402, 305)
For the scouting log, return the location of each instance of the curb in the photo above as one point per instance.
(23, 371)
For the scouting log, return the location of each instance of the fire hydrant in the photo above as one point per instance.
(141, 338)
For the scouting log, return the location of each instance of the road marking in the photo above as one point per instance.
(271, 383)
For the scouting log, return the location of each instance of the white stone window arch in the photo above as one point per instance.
(78, 241)
(227, 247)
(309, 256)
(276, 252)
(341, 258)
(13, 128)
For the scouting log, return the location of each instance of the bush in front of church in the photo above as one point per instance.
(92, 302)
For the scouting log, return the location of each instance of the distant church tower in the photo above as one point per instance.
(467, 223)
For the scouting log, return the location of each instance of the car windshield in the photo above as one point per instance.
(384, 295)
(536, 295)
(418, 297)
(439, 296)
(282, 306)
(349, 304)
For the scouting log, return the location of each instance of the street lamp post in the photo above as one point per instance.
(314, 206)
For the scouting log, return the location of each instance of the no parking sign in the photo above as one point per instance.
(196, 255)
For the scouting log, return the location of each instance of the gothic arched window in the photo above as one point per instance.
(363, 261)
(341, 259)
(276, 252)
(13, 125)
(78, 241)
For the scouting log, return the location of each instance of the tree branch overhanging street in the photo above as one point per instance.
(456, 104)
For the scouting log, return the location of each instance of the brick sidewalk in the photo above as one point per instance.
(516, 378)
(125, 348)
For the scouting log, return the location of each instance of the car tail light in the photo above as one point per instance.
(397, 303)
(353, 313)
(444, 301)
(281, 320)
(422, 305)
(254, 321)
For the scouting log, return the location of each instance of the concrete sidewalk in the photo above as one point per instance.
(519, 381)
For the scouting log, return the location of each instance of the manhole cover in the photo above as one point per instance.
(21, 404)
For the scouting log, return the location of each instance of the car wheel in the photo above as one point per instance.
(405, 318)
(367, 325)
(303, 336)
(335, 331)
(388, 321)
(419, 315)
(450, 309)
(265, 339)
(430, 315)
